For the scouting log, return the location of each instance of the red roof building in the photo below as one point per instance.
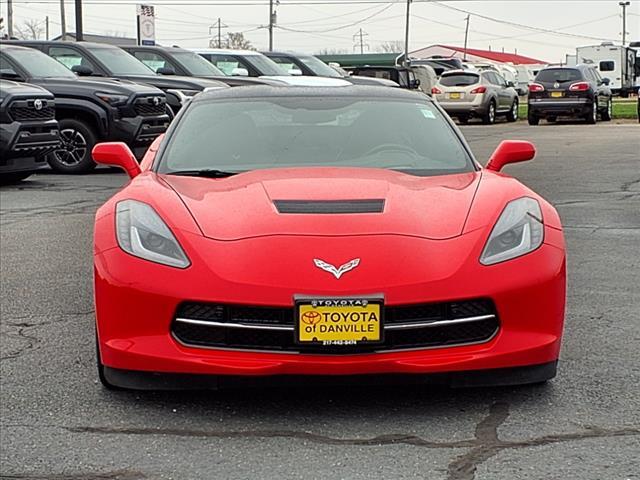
(476, 55)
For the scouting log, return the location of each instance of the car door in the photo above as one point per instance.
(602, 91)
(504, 93)
(71, 57)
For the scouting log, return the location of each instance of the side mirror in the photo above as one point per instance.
(414, 83)
(239, 72)
(511, 84)
(510, 151)
(8, 74)
(606, 81)
(165, 71)
(82, 70)
(294, 71)
(116, 154)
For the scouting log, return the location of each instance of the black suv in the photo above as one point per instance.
(178, 61)
(301, 64)
(577, 91)
(88, 110)
(102, 60)
(28, 129)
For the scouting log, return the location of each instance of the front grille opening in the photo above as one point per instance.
(210, 330)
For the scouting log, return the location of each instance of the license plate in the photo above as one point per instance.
(339, 321)
(455, 95)
(556, 94)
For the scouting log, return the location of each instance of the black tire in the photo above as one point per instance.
(489, 118)
(463, 120)
(533, 119)
(592, 114)
(13, 177)
(78, 139)
(607, 114)
(512, 114)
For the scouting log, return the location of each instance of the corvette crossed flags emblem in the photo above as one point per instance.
(337, 272)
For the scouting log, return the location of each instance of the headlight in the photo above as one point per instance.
(141, 232)
(184, 95)
(518, 231)
(112, 99)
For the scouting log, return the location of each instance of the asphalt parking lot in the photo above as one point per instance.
(58, 423)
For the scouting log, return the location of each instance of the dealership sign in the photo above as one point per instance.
(146, 25)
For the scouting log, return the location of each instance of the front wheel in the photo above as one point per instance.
(512, 115)
(607, 114)
(74, 154)
(489, 118)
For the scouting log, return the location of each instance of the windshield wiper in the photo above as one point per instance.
(209, 173)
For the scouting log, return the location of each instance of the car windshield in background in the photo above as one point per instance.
(459, 80)
(119, 62)
(560, 75)
(265, 65)
(249, 134)
(318, 67)
(196, 65)
(39, 65)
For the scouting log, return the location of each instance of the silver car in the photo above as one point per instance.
(466, 94)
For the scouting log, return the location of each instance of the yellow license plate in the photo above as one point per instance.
(349, 321)
(556, 94)
(455, 95)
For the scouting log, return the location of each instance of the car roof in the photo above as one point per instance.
(460, 72)
(264, 91)
(154, 47)
(226, 51)
(65, 42)
(283, 53)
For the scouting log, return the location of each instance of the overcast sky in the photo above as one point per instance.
(318, 25)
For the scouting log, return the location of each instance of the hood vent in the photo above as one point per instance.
(320, 207)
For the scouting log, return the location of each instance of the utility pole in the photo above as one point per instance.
(63, 21)
(79, 35)
(218, 26)
(624, 6)
(46, 27)
(466, 37)
(406, 34)
(273, 19)
(358, 38)
(10, 18)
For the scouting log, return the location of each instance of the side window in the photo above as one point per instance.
(588, 75)
(607, 66)
(70, 57)
(151, 60)
(6, 68)
(500, 80)
(492, 78)
(285, 63)
(227, 63)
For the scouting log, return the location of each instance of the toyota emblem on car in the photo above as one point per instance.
(38, 104)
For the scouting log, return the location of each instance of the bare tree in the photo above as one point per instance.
(333, 51)
(392, 46)
(236, 41)
(29, 30)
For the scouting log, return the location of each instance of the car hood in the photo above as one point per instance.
(63, 86)
(165, 82)
(250, 204)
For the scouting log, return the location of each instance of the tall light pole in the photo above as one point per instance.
(466, 37)
(272, 21)
(79, 34)
(406, 34)
(63, 21)
(10, 18)
(624, 6)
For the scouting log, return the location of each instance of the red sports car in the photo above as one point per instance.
(348, 232)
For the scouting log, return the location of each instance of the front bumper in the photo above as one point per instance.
(140, 130)
(136, 302)
(23, 145)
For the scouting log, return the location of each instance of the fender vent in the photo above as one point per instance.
(329, 206)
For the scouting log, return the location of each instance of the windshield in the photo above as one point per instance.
(39, 65)
(459, 80)
(119, 62)
(196, 65)
(318, 67)
(559, 75)
(249, 134)
(265, 65)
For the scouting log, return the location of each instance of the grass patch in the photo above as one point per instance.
(621, 109)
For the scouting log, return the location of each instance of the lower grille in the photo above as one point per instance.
(272, 328)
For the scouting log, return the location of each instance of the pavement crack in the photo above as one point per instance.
(30, 343)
